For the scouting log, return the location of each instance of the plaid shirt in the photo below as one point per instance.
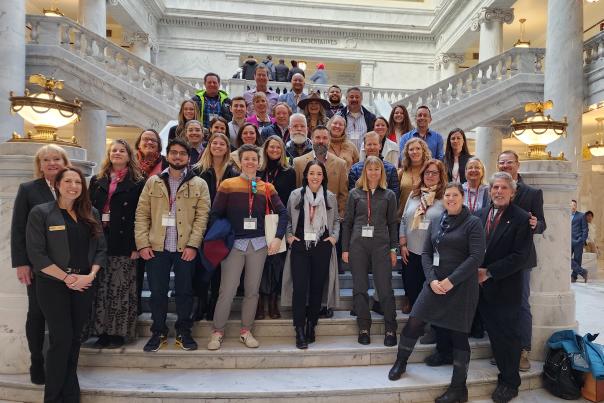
(171, 233)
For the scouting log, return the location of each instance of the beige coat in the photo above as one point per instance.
(348, 152)
(192, 209)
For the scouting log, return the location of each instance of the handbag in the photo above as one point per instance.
(271, 221)
(559, 378)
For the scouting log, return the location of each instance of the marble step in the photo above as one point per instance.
(274, 352)
(345, 301)
(352, 384)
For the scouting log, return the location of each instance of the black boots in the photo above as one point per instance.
(310, 331)
(273, 307)
(457, 391)
(37, 374)
(301, 342)
(405, 348)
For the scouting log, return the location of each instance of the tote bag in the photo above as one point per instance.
(271, 221)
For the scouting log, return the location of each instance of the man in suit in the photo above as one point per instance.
(296, 94)
(579, 233)
(500, 276)
(337, 177)
(531, 201)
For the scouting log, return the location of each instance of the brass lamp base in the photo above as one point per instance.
(537, 152)
(45, 134)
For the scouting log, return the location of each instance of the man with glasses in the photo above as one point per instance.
(171, 219)
(531, 201)
(423, 118)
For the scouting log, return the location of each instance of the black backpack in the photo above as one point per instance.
(559, 378)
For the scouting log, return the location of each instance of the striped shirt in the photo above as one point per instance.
(171, 241)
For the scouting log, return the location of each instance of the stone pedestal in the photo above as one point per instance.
(91, 132)
(552, 301)
(488, 147)
(16, 167)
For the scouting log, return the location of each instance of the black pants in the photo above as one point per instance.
(35, 325)
(413, 277)
(501, 323)
(66, 312)
(310, 271)
(140, 277)
(414, 329)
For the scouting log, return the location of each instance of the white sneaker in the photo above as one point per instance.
(248, 339)
(215, 341)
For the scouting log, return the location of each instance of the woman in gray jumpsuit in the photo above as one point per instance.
(369, 240)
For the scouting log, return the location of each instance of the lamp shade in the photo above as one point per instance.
(45, 109)
(538, 131)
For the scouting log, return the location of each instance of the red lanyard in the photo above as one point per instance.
(250, 199)
(494, 222)
(368, 208)
(472, 206)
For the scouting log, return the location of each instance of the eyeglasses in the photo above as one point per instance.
(148, 140)
(175, 153)
(431, 173)
(507, 162)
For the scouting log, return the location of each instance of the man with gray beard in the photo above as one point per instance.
(299, 143)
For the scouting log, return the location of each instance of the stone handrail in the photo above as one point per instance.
(477, 78)
(593, 49)
(120, 62)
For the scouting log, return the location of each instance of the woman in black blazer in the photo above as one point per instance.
(114, 192)
(456, 156)
(66, 247)
(49, 160)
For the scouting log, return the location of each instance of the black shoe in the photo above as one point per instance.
(310, 332)
(437, 359)
(377, 308)
(453, 394)
(115, 342)
(156, 341)
(36, 373)
(573, 279)
(504, 393)
(301, 342)
(353, 312)
(398, 369)
(103, 341)
(186, 342)
(390, 339)
(326, 313)
(364, 337)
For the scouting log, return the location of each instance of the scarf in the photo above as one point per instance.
(315, 214)
(426, 200)
(116, 177)
(147, 164)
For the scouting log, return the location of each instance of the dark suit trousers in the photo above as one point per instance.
(66, 312)
(35, 325)
(577, 261)
(501, 323)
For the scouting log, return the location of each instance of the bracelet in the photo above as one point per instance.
(66, 275)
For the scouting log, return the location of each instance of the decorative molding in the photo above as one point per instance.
(488, 14)
(137, 36)
(446, 58)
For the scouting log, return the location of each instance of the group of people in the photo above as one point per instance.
(270, 196)
(279, 72)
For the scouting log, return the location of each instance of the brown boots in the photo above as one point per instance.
(273, 307)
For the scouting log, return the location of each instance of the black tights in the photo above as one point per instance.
(414, 329)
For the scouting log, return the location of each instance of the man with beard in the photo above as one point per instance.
(171, 218)
(296, 94)
(335, 100)
(299, 143)
(358, 119)
(337, 178)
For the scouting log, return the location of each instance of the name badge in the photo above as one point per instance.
(367, 231)
(436, 259)
(249, 223)
(423, 225)
(168, 220)
(56, 228)
(105, 217)
(310, 236)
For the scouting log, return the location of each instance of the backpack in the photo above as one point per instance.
(559, 378)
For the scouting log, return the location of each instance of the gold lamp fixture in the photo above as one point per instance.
(597, 149)
(45, 110)
(538, 131)
(53, 11)
(521, 43)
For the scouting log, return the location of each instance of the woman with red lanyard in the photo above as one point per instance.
(275, 170)
(114, 192)
(476, 192)
(369, 241)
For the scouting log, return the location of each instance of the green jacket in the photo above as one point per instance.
(225, 106)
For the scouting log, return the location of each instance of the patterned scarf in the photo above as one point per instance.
(147, 164)
(315, 214)
(426, 200)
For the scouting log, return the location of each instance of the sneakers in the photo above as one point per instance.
(156, 341)
(216, 339)
(525, 364)
(186, 342)
(248, 339)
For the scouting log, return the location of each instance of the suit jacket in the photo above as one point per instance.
(530, 200)
(579, 229)
(48, 243)
(29, 195)
(337, 176)
(508, 248)
(290, 99)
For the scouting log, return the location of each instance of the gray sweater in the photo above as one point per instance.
(417, 237)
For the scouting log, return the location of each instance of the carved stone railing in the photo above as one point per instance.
(593, 50)
(593, 68)
(477, 78)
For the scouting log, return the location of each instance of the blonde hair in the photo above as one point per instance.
(476, 159)
(406, 160)
(48, 149)
(207, 161)
(133, 168)
(283, 161)
(363, 183)
(180, 128)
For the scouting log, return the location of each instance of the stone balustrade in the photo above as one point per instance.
(593, 50)
(593, 68)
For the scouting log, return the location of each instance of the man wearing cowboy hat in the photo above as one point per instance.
(296, 94)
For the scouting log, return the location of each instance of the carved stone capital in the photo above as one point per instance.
(154, 46)
(131, 38)
(446, 58)
(488, 14)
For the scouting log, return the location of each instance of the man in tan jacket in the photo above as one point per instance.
(171, 218)
(337, 175)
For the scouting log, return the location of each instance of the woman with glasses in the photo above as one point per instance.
(148, 153)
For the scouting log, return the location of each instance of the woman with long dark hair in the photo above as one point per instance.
(114, 192)
(188, 111)
(456, 155)
(399, 123)
(66, 247)
(390, 151)
(248, 134)
(314, 108)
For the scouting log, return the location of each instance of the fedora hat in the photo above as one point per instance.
(313, 97)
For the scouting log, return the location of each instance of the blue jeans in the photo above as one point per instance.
(158, 273)
(576, 261)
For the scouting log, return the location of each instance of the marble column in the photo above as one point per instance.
(552, 300)
(140, 44)
(92, 14)
(489, 21)
(12, 54)
(448, 64)
(564, 58)
(367, 68)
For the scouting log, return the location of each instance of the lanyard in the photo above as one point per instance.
(251, 193)
(368, 208)
(472, 206)
(267, 177)
(493, 221)
(443, 230)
